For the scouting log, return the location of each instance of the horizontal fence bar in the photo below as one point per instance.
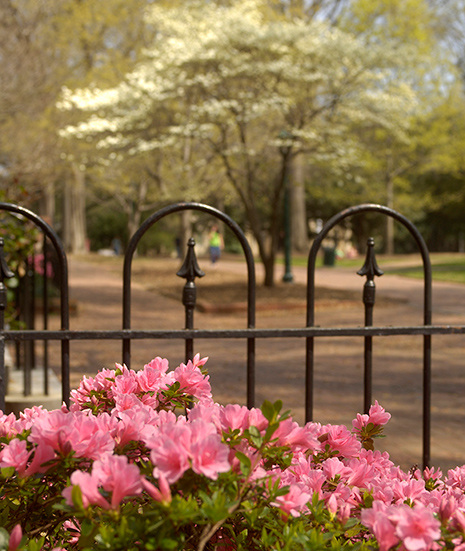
(303, 332)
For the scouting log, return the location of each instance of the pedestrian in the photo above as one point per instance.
(215, 242)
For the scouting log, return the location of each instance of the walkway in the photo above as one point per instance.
(338, 380)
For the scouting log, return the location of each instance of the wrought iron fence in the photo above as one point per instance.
(190, 271)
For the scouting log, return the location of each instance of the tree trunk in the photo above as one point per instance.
(298, 207)
(268, 265)
(186, 231)
(74, 213)
(48, 203)
(389, 219)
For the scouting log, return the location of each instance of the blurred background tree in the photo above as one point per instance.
(137, 103)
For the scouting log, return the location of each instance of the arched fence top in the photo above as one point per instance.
(172, 209)
(58, 246)
(352, 211)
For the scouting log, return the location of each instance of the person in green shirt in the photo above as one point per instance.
(215, 242)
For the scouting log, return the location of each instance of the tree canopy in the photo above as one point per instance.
(160, 101)
(234, 79)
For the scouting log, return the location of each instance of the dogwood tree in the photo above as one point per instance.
(249, 91)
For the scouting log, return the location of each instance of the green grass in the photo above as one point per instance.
(446, 266)
(451, 270)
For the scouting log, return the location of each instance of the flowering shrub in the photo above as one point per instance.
(147, 460)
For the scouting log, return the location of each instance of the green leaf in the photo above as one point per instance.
(7, 472)
(268, 410)
(76, 496)
(245, 462)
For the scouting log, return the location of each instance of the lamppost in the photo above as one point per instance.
(285, 150)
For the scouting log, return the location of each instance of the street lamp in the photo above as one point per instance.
(285, 150)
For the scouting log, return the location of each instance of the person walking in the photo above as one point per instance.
(215, 242)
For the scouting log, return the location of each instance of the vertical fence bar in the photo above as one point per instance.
(189, 271)
(45, 312)
(27, 307)
(370, 269)
(427, 342)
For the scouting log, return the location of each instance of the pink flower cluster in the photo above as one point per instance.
(122, 420)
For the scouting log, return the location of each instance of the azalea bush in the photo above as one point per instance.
(147, 460)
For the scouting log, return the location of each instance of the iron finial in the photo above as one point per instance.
(370, 269)
(190, 268)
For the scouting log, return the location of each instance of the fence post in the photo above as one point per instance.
(189, 271)
(370, 269)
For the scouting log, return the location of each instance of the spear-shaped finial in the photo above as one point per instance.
(370, 269)
(190, 268)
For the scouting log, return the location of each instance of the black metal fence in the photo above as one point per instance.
(52, 246)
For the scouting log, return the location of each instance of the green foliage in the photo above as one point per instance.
(235, 509)
(104, 223)
(19, 238)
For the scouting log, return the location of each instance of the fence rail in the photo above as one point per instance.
(190, 271)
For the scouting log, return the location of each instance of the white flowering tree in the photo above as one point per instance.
(246, 91)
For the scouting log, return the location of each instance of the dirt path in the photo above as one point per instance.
(97, 292)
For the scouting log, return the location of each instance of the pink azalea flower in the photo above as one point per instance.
(15, 455)
(294, 502)
(29, 415)
(162, 494)
(155, 369)
(411, 489)
(359, 473)
(380, 460)
(171, 459)
(127, 427)
(210, 456)
(340, 439)
(73, 527)
(192, 380)
(333, 467)
(54, 430)
(360, 421)
(15, 538)
(209, 412)
(338, 497)
(378, 415)
(447, 507)
(43, 454)
(116, 475)
(87, 439)
(304, 473)
(378, 522)
(125, 401)
(417, 528)
(102, 382)
(9, 425)
(290, 433)
(126, 383)
(199, 362)
(89, 485)
(257, 419)
(234, 416)
(456, 477)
